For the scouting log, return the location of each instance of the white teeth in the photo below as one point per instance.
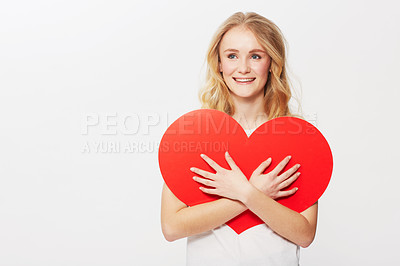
(244, 80)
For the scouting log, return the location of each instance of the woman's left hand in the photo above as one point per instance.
(227, 183)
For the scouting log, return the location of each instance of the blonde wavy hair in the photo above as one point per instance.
(215, 93)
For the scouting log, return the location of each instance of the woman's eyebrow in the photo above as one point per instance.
(252, 51)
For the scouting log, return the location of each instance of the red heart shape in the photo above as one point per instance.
(213, 132)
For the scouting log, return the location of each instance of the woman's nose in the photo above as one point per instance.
(243, 66)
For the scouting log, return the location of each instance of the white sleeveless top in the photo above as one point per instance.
(257, 246)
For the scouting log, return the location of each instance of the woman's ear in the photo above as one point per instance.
(220, 66)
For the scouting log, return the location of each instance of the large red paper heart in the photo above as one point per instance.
(213, 132)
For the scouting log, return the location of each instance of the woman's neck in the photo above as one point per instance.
(249, 113)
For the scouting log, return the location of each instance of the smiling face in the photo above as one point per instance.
(244, 63)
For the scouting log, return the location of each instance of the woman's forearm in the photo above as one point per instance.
(284, 221)
(207, 216)
(200, 218)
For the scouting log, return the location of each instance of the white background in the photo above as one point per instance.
(62, 62)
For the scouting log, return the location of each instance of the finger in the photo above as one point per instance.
(230, 161)
(211, 163)
(286, 193)
(288, 181)
(209, 190)
(204, 181)
(281, 165)
(288, 173)
(202, 173)
(260, 169)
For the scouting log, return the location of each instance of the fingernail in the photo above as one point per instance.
(298, 165)
(289, 157)
(194, 178)
(298, 173)
(202, 155)
(297, 188)
(269, 159)
(226, 153)
(191, 168)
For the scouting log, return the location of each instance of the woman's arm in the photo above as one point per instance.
(296, 227)
(178, 220)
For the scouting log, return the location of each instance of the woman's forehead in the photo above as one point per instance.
(240, 39)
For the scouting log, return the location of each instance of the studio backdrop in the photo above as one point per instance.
(89, 87)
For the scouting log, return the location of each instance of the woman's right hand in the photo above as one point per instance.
(272, 184)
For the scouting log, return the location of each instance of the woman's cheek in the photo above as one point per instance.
(228, 69)
(261, 69)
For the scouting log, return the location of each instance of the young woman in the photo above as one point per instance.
(246, 78)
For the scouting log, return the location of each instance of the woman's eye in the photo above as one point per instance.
(231, 56)
(255, 56)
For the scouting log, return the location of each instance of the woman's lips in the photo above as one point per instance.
(244, 80)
